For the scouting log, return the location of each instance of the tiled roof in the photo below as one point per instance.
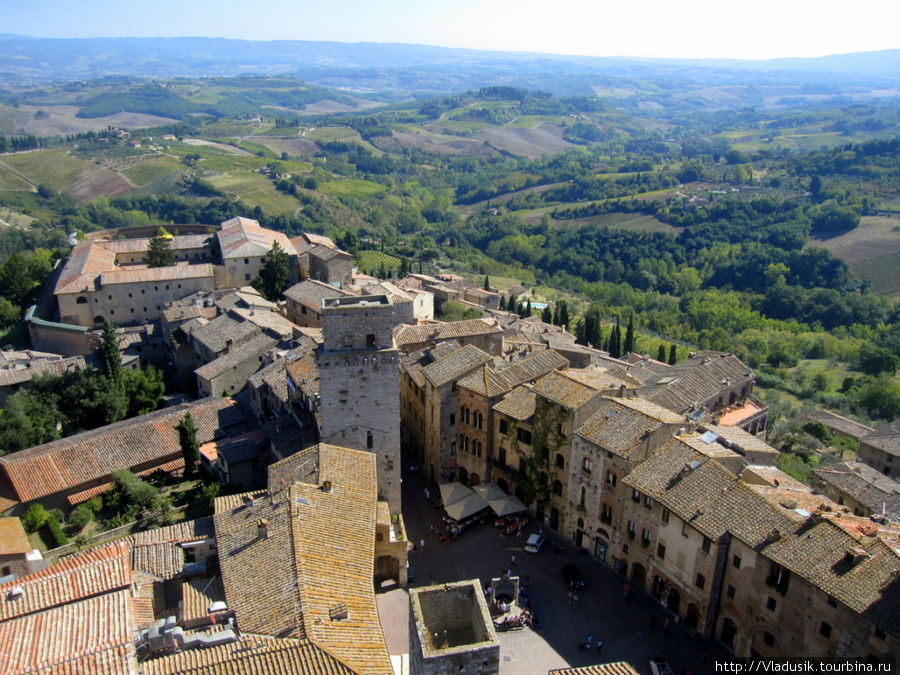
(445, 331)
(441, 350)
(162, 560)
(864, 484)
(76, 498)
(274, 376)
(310, 293)
(841, 424)
(491, 382)
(620, 424)
(654, 475)
(327, 253)
(13, 539)
(141, 273)
(86, 261)
(94, 572)
(198, 595)
(188, 530)
(90, 636)
(11, 376)
(454, 366)
(618, 668)
(70, 462)
(252, 654)
(696, 380)
(569, 392)
(243, 237)
(320, 546)
(887, 438)
(214, 335)
(252, 348)
(741, 440)
(519, 404)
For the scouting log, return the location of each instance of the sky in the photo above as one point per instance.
(755, 29)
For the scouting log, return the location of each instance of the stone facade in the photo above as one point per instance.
(359, 384)
(450, 631)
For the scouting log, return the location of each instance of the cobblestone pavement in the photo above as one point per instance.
(624, 626)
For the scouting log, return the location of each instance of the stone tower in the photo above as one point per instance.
(359, 384)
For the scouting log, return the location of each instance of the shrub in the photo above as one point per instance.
(81, 516)
(35, 518)
(135, 490)
(56, 531)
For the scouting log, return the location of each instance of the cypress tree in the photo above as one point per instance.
(487, 283)
(190, 447)
(628, 347)
(661, 354)
(108, 353)
(564, 314)
(528, 308)
(160, 253)
(673, 358)
(555, 317)
(615, 342)
(502, 305)
(547, 315)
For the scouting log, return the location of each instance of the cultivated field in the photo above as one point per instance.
(876, 236)
(297, 147)
(545, 139)
(361, 189)
(254, 189)
(59, 120)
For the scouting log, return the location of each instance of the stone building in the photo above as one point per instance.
(359, 384)
(481, 333)
(451, 631)
(513, 433)
(303, 301)
(478, 393)
(14, 548)
(881, 450)
(861, 488)
(620, 434)
(244, 246)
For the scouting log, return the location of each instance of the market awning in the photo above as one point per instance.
(465, 507)
(453, 492)
(502, 503)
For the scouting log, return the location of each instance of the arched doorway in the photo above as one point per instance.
(674, 603)
(601, 546)
(99, 321)
(692, 618)
(728, 633)
(463, 475)
(554, 518)
(638, 575)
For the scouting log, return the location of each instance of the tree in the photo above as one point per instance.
(502, 305)
(661, 354)
(273, 277)
(615, 342)
(547, 315)
(874, 360)
(143, 389)
(160, 253)
(487, 283)
(190, 447)
(673, 357)
(628, 347)
(35, 517)
(528, 308)
(108, 353)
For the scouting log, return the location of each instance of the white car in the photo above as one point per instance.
(534, 543)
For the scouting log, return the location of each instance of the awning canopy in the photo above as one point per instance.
(502, 503)
(453, 492)
(465, 507)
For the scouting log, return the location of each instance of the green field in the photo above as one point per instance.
(56, 168)
(254, 189)
(327, 134)
(359, 188)
(370, 262)
(12, 183)
(151, 170)
(883, 273)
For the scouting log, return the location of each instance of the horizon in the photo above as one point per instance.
(654, 29)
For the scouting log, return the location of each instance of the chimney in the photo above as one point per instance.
(326, 486)
(262, 529)
(228, 345)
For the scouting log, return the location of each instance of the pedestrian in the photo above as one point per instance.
(515, 563)
(427, 493)
(570, 597)
(575, 598)
(422, 545)
(599, 645)
(433, 529)
(626, 591)
(589, 642)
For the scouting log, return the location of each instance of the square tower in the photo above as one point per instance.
(359, 384)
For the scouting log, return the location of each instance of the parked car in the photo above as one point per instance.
(572, 576)
(534, 543)
(659, 666)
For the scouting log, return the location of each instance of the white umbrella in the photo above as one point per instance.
(465, 507)
(506, 505)
(453, 492)
(489, 491)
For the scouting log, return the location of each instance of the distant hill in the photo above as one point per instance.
(394, 67)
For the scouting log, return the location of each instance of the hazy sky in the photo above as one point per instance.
(753, 29)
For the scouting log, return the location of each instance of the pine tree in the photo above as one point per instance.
(673, 358)
(160, 253)
(108, 353)
(273, 277)
(661, 354)
(547, 315)
(190, 447)
(628, 347)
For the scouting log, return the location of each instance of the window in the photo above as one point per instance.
(706, 545)
(730, 591)
(132, 310)
(370, 340)
(142, 291)
(452, 418)
(701, 581)
(610, 478)
(631, 528)
(561, 430)
(665, 515)
(648, 502)
(560, 462)
(523, 435)
(557, 487)
(370, 443)
(736, 561)
(645, 534)
(586, 464)
(770, 603)
(832, 602)
(769, 639)
(246, 261)
(606, 513)
(825, 629)
(625, 549)
(129, 295)
(583, 493)
(247, 277)
(661, 551)
(504, 426)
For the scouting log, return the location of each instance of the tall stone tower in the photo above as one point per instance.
(359, 384)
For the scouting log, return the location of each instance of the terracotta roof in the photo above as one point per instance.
(519, 404)
(491, 382)
(176, 464)
(887, 438)
(447, 330)
(243, 237)
(13, 539)
(17, 375)
(742, 441)
(655, 474)
(165, 561)
(188, 530)
(618, 668)
(71, 462)
(864, 484)
(320, 545)
(454, 366)
(620, 425)
(94, 572)
(90, 636)
(696, 380)
(568, 391)
(310, 293)
(140, 273)
(214, 335)
(198, 595)
(327, 253)
(254, 654)
(841, 424)
(246, 351)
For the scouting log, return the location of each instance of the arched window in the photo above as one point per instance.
(560, 462)
(81, 300)
(557, 487)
